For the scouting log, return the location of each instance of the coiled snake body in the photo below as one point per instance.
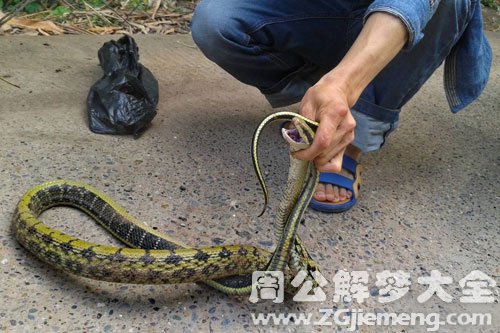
(154, 258)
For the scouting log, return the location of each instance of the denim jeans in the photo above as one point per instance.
(284, 47)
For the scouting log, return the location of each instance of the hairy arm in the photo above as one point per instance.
(329, 101)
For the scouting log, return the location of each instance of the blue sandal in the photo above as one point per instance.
(335, 179)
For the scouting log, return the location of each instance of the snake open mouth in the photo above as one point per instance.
(293, 134)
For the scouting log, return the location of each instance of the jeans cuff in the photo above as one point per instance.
(376, 111)
(370, 134)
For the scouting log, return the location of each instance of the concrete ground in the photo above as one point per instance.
(429, 200)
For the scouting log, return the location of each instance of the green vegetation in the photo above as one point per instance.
(172, 16)
(495, 4)
(44, 5)
(99, 16)
(59, 9)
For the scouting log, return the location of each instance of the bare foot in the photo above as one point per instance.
(331, 193)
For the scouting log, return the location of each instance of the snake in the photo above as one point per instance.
(151, 257)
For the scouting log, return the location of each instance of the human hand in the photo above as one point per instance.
(327, 103)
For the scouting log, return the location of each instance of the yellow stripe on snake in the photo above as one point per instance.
(154, 258)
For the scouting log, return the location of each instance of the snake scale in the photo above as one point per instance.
(150, 257)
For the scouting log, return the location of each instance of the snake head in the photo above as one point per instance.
(305, 131)
(300, 135)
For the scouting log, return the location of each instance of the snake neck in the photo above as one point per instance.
(295, 182)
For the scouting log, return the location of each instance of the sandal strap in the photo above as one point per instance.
(349, 164)
(337, 180)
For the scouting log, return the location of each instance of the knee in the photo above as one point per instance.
(214, 28)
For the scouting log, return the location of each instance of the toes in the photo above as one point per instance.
(336, 194)
(332, 193)
(342, 194)
(345, 194)
(328, 192)
(320, 194)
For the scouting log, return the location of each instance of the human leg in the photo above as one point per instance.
(283, 49)
(271, 45)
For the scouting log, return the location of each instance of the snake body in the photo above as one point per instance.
(154, 258)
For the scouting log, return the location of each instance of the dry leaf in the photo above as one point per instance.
(101, 30)
(118, 21)
(44, 27)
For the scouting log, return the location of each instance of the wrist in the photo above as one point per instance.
(343, 80)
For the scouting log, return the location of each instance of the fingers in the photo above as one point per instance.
(307, 107)
(327, 104)
(327, 134)
(342, 138)
(334, 134)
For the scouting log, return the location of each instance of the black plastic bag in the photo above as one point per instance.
(124, 100)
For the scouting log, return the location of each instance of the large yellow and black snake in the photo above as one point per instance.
(154, 258)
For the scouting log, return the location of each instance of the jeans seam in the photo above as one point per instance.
(378, 106)
(450, 68)
(273, 56)
(263, 23)
(449, 78)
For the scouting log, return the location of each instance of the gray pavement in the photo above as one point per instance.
(429, 199)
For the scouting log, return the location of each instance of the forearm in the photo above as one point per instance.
(330, 99)
(380, 40)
